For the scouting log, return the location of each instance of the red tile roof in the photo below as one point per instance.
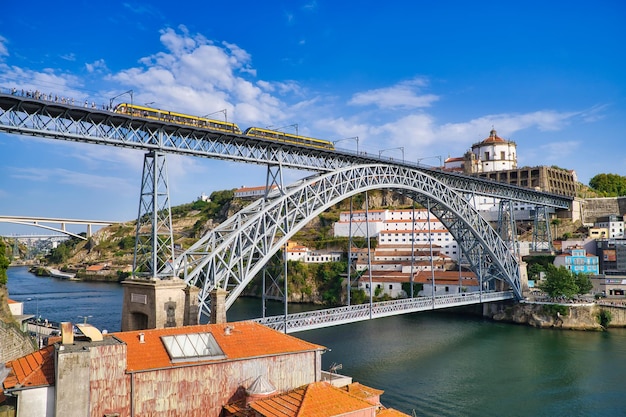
(152, 354)
(364, 392)
(92, 268)
(319, 399)
(33, 370)
(447, 277)
(494, 138)
(390, 412)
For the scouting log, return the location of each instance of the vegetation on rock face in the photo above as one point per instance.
(604, 318)
(610, 185)
(63, 251)
(556, 310)
(4, 263)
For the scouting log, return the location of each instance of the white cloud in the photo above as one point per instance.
(98, 65)
(46, 81)
(402, 95)
(198, 76)
(68, 57)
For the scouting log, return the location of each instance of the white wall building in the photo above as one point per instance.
(399, 228)
(613, 224)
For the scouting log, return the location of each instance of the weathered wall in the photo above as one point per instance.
(602, 207)
(13, 342)
(200, 391)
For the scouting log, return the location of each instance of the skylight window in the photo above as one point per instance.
(192, 347)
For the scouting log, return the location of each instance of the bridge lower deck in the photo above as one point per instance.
(310, 320)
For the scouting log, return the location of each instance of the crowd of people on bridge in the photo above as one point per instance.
(55, 98)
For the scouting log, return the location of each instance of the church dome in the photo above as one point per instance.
(494, 138)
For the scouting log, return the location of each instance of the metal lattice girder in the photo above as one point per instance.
(28, 116)
(154, 242)
(349, 314)
(231, 255)
(542, 237)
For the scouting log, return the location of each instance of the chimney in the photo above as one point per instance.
(67, 333)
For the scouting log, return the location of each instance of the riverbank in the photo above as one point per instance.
(568, 316)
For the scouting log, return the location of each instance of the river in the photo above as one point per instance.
(429, 364)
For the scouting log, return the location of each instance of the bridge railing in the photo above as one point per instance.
(348, 314)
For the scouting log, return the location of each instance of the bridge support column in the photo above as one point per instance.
(218, 306)
(156, 304)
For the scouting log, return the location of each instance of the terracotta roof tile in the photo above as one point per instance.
(33, 370)
(390, 412)
(319, 399)
(152, 354)
(364, 392)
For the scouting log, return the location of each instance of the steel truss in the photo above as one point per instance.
(233, 253)
(28, 116)
(154, 241)
(349, 314)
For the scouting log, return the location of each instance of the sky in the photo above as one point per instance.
(430, 77)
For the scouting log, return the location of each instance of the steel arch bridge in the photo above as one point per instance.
(231, 255)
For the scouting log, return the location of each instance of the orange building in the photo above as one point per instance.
(202, 370)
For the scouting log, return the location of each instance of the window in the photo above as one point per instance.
(192, 347)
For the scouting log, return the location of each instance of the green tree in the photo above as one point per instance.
(583, 281)
(559, 282)
(612, 185)
(4, 263)
(330, 282)
(535, 270)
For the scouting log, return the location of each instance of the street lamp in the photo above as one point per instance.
(219, 111)
(391, 149)
(85, 318)
(352, 138)
(427, 157)
(130, 92)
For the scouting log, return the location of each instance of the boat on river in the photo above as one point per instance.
(60, 274)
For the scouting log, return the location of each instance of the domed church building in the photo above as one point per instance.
(495, 153)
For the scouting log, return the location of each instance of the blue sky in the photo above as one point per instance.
(432, 77)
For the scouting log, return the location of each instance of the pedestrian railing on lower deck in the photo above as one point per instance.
(348, 314)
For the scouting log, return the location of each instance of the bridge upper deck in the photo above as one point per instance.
(63, 121)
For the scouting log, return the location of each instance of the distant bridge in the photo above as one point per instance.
(47, 222)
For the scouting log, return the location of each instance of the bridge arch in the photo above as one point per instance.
(233, 253)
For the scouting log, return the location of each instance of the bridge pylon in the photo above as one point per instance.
(154, 241)
(542, 238)
(154, 297)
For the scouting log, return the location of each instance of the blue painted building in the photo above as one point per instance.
(577, 261)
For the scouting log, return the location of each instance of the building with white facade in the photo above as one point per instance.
(491, 154)
(398, 228)
(252, 192)
(447, 283)
(614, 226)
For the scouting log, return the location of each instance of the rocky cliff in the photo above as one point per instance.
(561, 316)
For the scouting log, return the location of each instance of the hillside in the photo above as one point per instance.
(114, 245)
